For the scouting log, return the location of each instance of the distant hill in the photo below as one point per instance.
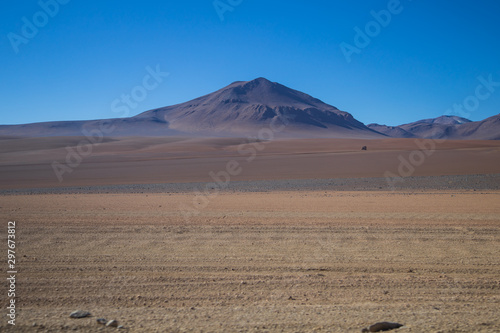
(444, 127)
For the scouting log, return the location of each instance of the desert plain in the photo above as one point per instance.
(308, 237)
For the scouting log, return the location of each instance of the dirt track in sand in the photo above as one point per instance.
(295, 261)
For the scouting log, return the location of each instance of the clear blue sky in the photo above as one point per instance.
(91, 52)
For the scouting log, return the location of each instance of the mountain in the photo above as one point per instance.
(244, 108)
(433, 128)
(444, 127)
(247, 107)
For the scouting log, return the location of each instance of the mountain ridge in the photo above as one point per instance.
(246, 108)
(444, 127)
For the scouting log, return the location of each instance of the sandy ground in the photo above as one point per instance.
(305, 237)
(293, 261)
(28, 163)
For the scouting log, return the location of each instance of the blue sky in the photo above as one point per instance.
(425, 60)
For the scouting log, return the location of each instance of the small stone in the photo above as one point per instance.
(102, 321)
(121, 327)
(112, 323)
(382, 326)
(79, 314)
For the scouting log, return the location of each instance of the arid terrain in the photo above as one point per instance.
(294, 261)
(307, 237)
(28, 163)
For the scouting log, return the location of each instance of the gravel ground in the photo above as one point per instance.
(455, 182)
(284, 262)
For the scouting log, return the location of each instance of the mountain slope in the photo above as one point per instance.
(487, 129)
(102, 127)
